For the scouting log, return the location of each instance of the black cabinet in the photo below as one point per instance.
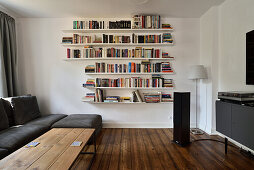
(243, 125)
(236, 121)
(223, 119)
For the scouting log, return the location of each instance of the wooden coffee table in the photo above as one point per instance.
(53, 152)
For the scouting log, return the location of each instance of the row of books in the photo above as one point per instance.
(146, 21)
(129, 82)
(81, 39)
(138, 52)
(115, 38)
(146, 38)
(122, 24)
(85, 53)
(88, 24)
(92, 24)
(143, 67)
(100, 96)
(105, 38)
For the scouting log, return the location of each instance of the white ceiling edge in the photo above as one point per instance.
(9, 12)
(88, 9)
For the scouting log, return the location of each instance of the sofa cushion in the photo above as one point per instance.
(4, 123)
(3, 153)
(47, 120)
(25, 109)
(79, 121)
(18, 136)
(9, 110)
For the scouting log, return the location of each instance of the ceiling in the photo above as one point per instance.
(107, 8)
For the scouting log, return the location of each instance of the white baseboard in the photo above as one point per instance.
(139, 125)
(235, 142)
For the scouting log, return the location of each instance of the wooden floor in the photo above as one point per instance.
(152, 149)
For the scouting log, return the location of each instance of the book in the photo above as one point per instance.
(32, 144)
(76, 143)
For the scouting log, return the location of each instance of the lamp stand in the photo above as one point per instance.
(196, 131)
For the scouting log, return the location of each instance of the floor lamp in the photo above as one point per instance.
(196, 73)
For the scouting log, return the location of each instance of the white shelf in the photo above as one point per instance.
(83, 59)
(127, 73)
(115, 30)
(125, 102)
(137, 88)
(117, 44)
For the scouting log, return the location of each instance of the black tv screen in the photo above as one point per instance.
(250, 58)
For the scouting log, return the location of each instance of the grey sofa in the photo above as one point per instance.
(22, 122)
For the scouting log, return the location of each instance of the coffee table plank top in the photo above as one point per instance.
(54, 145)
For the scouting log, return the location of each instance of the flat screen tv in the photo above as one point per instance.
(250, 58)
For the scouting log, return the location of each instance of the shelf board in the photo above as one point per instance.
(127, 73)
(125, 102)
(117, 44)
(136, 88)
(115, 30)
(83, 59)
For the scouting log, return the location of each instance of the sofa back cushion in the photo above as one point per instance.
(4, 123)
(25, 109)
(8, 110)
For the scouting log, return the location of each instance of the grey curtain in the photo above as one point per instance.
(8, 56)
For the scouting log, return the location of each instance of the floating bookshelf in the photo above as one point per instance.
(84, 59)
(117, 44)
(133, 88)
(129, 33)
(129, 73)
(126, 102)
(115, 30)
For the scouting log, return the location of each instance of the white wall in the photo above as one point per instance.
(236, 19)
(57, 83)
(223, 51)
(209, 58)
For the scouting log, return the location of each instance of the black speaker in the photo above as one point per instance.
(181, 134)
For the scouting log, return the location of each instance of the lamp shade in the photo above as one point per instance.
(197, 72)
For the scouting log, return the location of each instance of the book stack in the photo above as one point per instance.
(78, 39)
(112, 99)
(125, 99)
(165, 55)
(89, 97)
(166, 97)
(165, 67)
(167, 38)
(97, 39)
(120, 24)
(89, 83)
(146, 21)
(146, 38)
(99, 95)
(67, 40)
(152, 97)
(168, 83)
(166, 26)
(90, 69)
